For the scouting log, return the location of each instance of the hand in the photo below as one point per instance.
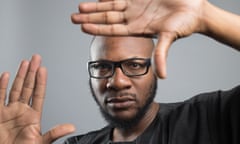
(20, 118)
(167, 19)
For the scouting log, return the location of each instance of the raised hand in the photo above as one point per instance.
(20, 117)
(166, 19)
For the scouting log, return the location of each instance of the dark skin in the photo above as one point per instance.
(20, 121)
(117, 49)
(168, 19)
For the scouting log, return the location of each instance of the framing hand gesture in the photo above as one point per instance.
(20, 118)
(169, 20)
(166, 19)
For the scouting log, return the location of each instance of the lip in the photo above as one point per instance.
(120, 102)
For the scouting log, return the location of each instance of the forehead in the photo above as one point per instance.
(119, 48)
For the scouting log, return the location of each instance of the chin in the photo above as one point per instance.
(122, 119)
(125, 115)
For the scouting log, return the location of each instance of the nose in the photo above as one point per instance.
(119, 81)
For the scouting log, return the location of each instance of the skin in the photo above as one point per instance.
(20, 121)
(120, 86)
(168, 20)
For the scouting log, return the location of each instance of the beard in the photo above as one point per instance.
(128, 123)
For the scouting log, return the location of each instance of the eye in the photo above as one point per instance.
(135, 65)
(101, 66)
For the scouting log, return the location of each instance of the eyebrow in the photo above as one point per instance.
(107, 60)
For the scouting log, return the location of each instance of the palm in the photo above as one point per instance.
(140, 17)
(19, 124)
(178, 18)
(166, 19)
(20, 118)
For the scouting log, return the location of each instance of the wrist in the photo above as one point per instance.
(208, 19)
(220, 25)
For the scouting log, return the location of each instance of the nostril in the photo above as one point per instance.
(118, 82)
(108, 85)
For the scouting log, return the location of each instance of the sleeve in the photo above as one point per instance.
(230, 116)
(224, 117)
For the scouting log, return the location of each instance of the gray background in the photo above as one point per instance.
(195, 65)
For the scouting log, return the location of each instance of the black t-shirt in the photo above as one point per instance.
(209, 118)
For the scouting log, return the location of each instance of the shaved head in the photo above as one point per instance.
(101, 44)
(123, 100)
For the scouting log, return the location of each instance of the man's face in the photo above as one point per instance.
(122, 98)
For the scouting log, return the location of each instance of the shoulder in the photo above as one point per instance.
(89, 137)
(218, 96)
(208, 100)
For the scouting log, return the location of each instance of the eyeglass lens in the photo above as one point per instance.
(130, 67)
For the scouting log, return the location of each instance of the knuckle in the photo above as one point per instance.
(29, 84)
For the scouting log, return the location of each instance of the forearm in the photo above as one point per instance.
(221, 25)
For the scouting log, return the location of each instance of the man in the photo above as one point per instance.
(116, 86)
(123, 84)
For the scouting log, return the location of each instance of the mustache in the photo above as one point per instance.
(120, 96)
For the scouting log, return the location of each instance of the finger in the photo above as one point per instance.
(17, 85)
(58, 132)
(3, 87)
(99, 18)
(161, 52)
(104, 0)
(104, 5)
(106, 30)
(40, 90)
(29, 82)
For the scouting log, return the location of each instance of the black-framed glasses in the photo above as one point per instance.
(130, 67)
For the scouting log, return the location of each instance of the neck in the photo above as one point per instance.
(131, 134)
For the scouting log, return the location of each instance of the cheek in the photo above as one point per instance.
(143, 89)
(143, 95)
(99, 86)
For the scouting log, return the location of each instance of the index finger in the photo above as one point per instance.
(160, 53)
(40, 89)
(106, 30)
(105, 5)
(4, 78)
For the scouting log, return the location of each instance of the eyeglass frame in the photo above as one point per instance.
(116, 64)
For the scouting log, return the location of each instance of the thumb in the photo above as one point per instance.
(57, 132)
(160, 53)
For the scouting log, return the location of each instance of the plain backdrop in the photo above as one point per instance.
(196, 64)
